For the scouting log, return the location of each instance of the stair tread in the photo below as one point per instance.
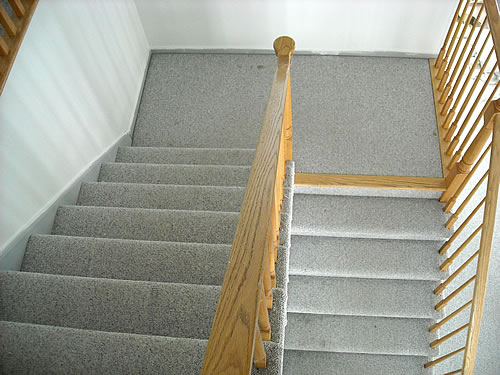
(183, 197)
(333, 363)
(366, 334)
(181, 262)
(42, 349)
(179, 174)
(369, 217)
(360, 297)
(142, 307)
(146, 224)
(180, 155)
(164, 309)
(365, 257)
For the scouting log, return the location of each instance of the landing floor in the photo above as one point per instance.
(351, 115)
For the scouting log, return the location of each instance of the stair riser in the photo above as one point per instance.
(361, 297)
(175, 310)
(174, 174)
(204, 156)
(127, 259)
(174, 197)
(35, 349)
(375, 335)
(143, 224)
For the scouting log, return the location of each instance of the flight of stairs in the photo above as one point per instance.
(362, 273)
(129, 279)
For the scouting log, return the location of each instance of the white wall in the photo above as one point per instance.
(408, 26)
(71, 93)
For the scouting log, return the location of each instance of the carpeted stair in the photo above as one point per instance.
(129, 279)
(362, 272)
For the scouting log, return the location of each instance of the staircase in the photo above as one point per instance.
(129, 279)
(362, 272)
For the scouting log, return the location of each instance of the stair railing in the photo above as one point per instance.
(483, 139)
(465, 80)
(241, 322)
(15, 27)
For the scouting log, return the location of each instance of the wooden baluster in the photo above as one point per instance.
(445, 320)
(453, 218)
(459, 64)
(7, 22)
(483, 261)
(439, 341)
(272, 262)
(472, 111)
(452, 277)
(268, 285)
(456, 140)
(259, 354)
(453, 199)
(18, 7)
(454, 372)
(461, 169)
(4, 48)
(445, 63)
(264, 324)
(450, 260)
(452, 112)
(454, 236)
(444, 357)
(275, 228)
(443, 49)
(456, 49)
(457, 291)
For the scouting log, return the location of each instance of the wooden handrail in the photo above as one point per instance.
(483, 261)
(494, 21)
(233, 337)
(15, 28)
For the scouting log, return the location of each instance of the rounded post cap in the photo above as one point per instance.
(284, 46)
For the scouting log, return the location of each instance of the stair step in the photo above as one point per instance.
(172, 262)
(369, 217)
(179, 155)
(330, 363)
(178, 174)
(163, 309)
(360, 297)
(368, 334)
(41, 349)
(368, 192)
(146, 224)
(178, 197)
(361, 257)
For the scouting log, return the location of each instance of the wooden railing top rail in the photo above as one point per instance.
(15, 27)
(483, 262)
(231, 343)
(494, 22)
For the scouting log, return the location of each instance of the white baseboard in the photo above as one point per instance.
(12, 256)
(139, 96)
(299, 52)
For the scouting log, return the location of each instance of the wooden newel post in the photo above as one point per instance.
(461, 169)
